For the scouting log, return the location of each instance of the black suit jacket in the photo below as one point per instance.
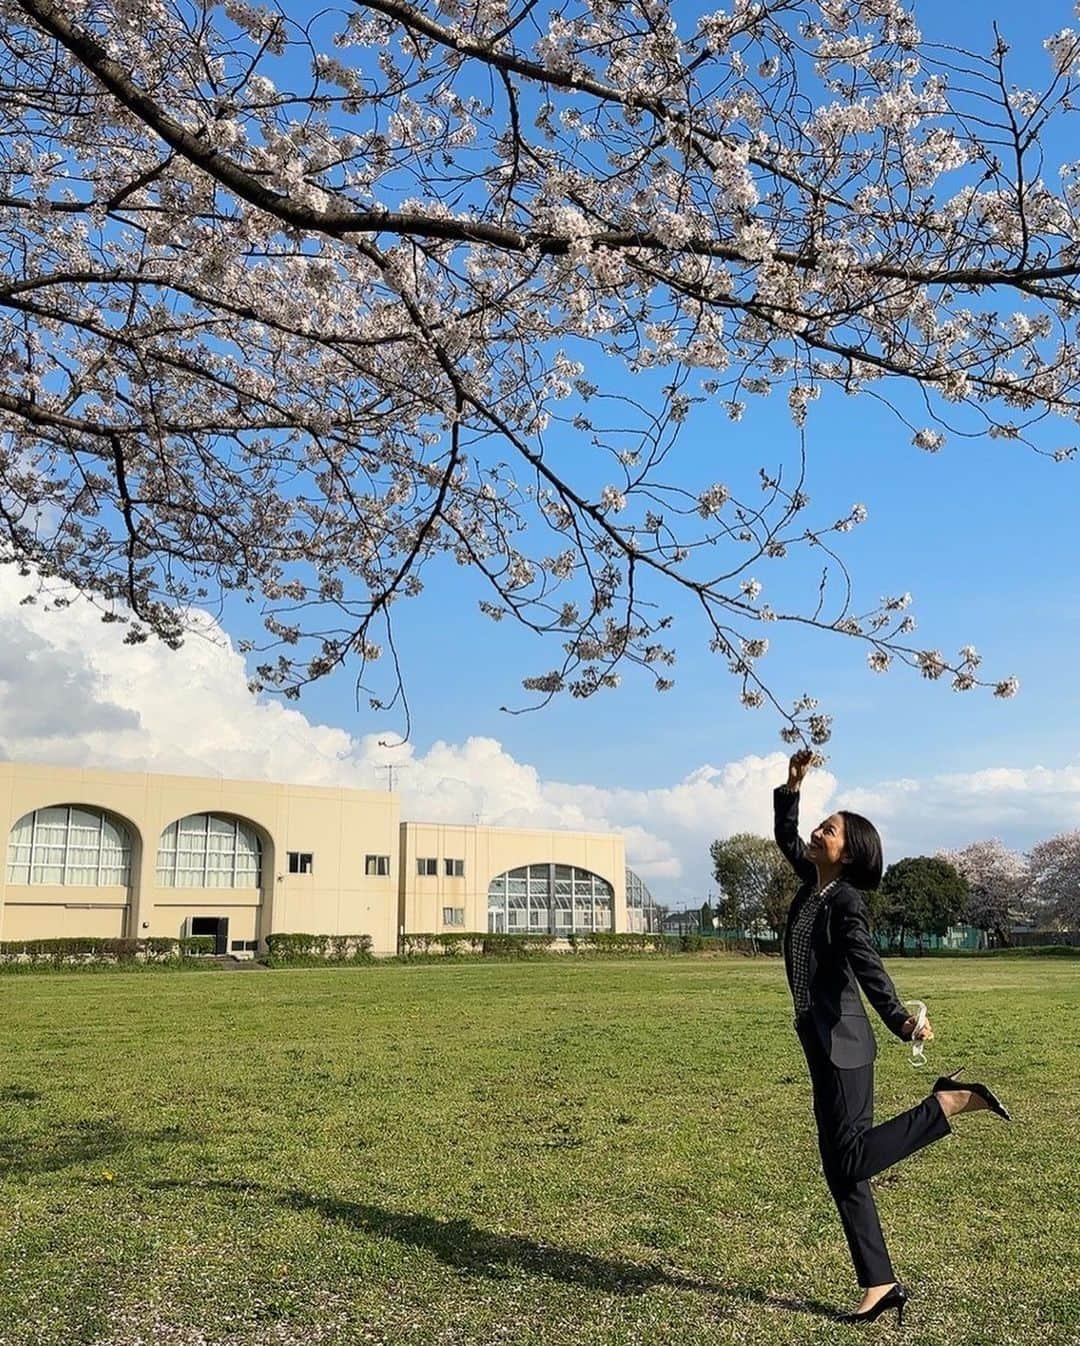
(842, 954)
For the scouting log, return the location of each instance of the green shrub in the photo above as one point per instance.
(454, 943)
(90, 952)
(610, 941)
(429, 945)
(516, 946)
(193, 946)
(299, 950)
(161, 947)
(450, 943)
(420, 942)
(62, 952)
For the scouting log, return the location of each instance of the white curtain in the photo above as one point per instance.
(66, 844)
(19, 848)
(208, 850)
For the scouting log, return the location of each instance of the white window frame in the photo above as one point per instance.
(173, 868)
(103, 816)
(571, 899)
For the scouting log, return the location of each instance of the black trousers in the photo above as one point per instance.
(853, 1149)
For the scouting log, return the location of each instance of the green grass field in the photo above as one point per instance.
(559, 1152)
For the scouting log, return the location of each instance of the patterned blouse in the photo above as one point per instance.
(801, 927)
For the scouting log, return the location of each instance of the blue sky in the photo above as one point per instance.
(983, 534)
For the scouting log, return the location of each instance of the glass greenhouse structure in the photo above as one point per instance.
(550, 899)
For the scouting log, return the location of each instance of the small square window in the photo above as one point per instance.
(237, 946)
(376, 866)
(453, 915)
(427, 867)
(301, 862)
(455, 869)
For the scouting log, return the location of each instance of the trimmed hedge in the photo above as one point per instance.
(427, 943)
(455, 943)
(1013, 951)
(302, 950)
(451, 942)
(516, 946)
(89, 951)
(609, 941)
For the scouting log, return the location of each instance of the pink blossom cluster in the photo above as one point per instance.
(292, 306)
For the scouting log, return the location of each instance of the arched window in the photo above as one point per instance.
(70, 844)
(549, 899)
(642, 913)
(209, 850)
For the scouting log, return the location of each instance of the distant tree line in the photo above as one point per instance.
(985, 885)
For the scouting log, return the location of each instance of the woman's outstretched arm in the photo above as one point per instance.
(851, 932)
(786, 818)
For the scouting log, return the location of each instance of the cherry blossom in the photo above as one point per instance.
(999, 882)
(297, 303)
(1055, 879)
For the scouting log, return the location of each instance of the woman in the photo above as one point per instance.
(828, 955)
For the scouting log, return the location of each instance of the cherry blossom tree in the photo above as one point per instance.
(998, 881)
(299, 301)
(1055, 872)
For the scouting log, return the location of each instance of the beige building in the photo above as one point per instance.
(137, 854)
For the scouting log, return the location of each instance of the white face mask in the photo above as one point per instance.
(918, 1049)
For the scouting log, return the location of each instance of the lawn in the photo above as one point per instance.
(560, 1152)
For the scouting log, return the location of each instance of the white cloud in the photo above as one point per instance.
(72, 693)
(1020, 805)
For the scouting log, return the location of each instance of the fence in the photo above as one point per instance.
(956, 937)
(1022, 939)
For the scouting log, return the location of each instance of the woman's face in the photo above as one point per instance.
(827, 841)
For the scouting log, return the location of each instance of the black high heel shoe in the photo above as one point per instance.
(945, 1082)
(895, 1298)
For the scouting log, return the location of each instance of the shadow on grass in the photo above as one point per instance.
(12, 1093)
(468, 1248)
(69, 1143)
(79, 1142)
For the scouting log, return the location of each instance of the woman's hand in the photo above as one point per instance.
(798, 766)
(907, 1030)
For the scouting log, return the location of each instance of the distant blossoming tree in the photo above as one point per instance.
(998, 881)
(1055, 872)
(296, 300)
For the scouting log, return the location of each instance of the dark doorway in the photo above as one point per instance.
(218, 926)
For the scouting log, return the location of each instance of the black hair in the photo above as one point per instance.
(863, 845)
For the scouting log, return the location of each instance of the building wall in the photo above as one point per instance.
(339, 827)
(488, 852)
(53, 915)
